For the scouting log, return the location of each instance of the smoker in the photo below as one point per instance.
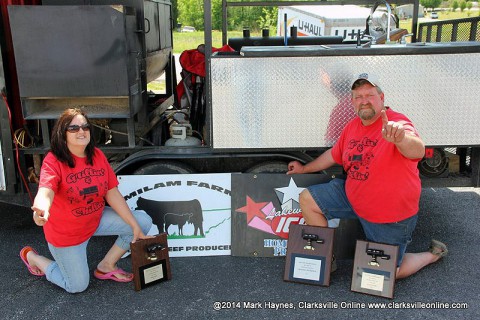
(97, 56)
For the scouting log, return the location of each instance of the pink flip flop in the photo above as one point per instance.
(33, 270)
(111, 275)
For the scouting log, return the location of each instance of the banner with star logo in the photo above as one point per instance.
(263, 208)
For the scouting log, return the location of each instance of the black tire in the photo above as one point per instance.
(164, 167)
(434, 166)
(269, 167)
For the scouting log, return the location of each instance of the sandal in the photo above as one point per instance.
(438, 248)
(113, 275)
(32, 269)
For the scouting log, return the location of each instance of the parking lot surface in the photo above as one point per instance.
(245, 287)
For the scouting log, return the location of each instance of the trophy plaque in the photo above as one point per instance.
(309, 255)
(374, 268)
(150, 261)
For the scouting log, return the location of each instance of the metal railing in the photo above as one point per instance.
(449, 30)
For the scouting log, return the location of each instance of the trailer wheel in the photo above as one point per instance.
(269, 167)
(434, 166)
(164, 167)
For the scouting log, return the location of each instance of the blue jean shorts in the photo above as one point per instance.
(332, 200)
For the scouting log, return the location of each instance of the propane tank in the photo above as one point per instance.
(181, 136)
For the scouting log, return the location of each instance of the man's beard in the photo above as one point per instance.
(366, 113)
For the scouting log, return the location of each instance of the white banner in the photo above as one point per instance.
(194, 210)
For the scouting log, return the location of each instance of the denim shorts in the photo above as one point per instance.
(332, 200)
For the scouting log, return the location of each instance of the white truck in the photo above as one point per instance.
(327, 20)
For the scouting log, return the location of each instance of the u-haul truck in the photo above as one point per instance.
(329, 20)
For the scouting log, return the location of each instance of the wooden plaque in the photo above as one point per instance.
(309, 255)
(374, 268)
(150, 261)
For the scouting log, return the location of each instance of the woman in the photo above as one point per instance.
(75, 181)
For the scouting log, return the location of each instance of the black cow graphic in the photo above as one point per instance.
(159, 209)
(177, 219)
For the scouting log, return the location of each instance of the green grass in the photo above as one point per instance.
(157, 86)
(176, 236)
(446, 15)
(191, 40)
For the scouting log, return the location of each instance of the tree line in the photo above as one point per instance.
(190, 12)
(454, 4)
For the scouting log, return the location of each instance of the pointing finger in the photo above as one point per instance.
(384, 117)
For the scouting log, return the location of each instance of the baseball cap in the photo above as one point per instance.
(371, 78)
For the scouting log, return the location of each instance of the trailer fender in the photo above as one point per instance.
(162, 162)
(164, 167)
(269, 167)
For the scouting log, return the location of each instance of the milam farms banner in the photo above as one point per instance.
(193, 209)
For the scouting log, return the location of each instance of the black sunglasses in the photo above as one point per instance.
(75, 128)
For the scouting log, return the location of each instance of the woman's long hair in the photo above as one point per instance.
(58, 140)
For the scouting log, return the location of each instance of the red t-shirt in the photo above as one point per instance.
(79, 197)
(382, 185)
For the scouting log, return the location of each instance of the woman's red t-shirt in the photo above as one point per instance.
(79, 197)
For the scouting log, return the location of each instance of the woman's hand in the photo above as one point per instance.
(117, 202)
(138, 234)
(40, 216)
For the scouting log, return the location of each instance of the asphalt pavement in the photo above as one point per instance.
(245, 287)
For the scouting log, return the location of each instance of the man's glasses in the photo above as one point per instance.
(75, 128)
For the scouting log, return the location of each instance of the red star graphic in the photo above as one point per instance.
(253, 209)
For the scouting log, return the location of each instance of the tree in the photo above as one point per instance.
(174, 12)
(244, 17)
(268, 20)
(463, 5)
(455, 5)
(190, 12)
(430, 3)
(216, 14)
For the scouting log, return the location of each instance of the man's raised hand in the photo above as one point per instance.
(392, 131)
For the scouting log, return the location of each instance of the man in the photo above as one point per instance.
(379, 151)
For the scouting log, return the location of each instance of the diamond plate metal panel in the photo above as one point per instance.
(304, 102)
